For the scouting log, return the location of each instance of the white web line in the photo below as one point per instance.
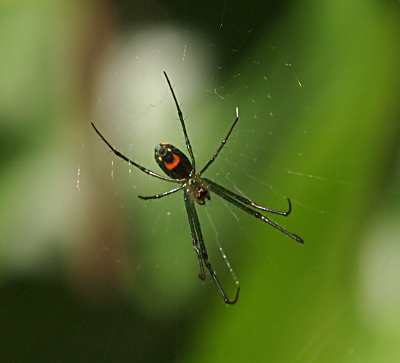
(216, 238)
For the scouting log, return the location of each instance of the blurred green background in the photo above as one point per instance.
(89, 273)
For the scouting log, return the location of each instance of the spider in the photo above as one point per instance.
(196, 189)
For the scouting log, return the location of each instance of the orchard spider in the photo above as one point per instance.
(196, 189)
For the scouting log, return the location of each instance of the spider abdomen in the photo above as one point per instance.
(172, 161)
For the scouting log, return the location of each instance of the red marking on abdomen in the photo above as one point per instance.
(174, 164)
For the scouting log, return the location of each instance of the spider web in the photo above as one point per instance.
(199, 63)
(115, 277)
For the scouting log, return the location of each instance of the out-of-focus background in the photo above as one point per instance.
(90, 273)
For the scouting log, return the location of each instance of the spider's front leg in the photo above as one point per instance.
(245, 204)
(189, 206)
(201, 251)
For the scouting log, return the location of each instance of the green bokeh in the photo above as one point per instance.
(333, 151)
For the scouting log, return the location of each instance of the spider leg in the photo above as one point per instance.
(195, 241)
(157, 196)
(220, 146)
(244, 204)
(246, 201)
(116, 152)
(181, 119)
(201, 251)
